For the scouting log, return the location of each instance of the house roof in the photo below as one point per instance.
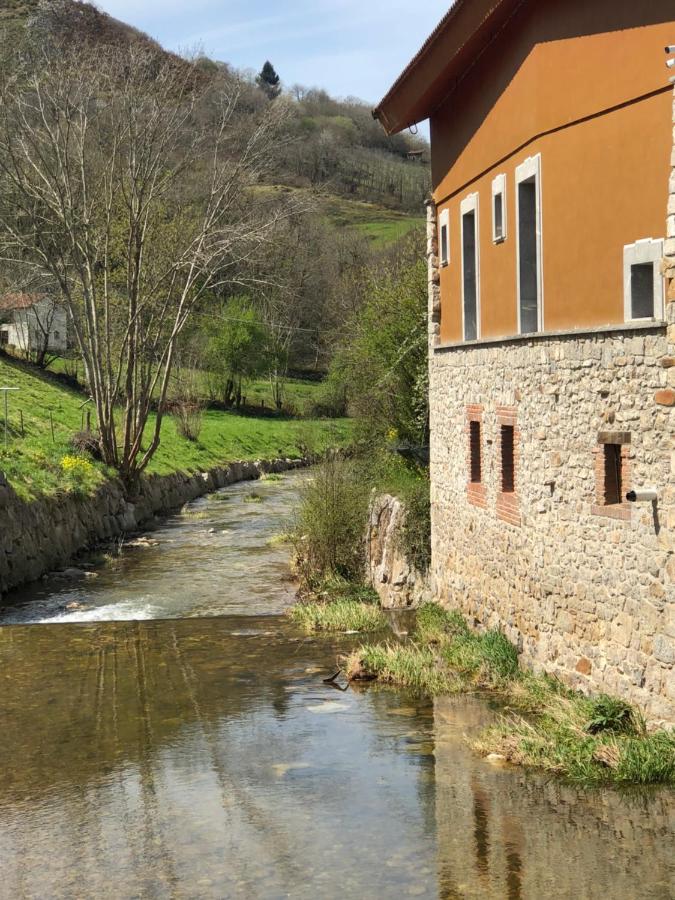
(12, 301)
(462, 35)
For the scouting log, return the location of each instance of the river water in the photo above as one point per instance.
(172, 737)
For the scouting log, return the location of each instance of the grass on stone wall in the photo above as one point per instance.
(546, 725)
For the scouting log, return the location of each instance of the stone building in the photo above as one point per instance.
(552, 330)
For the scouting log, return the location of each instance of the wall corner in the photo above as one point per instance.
(434, 279)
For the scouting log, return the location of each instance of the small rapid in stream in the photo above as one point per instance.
(165, 733)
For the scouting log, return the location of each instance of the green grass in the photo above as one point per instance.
(33, 461)
(337, 605)
(299, 393)
(337, 616)
(589, 740)
(379, 224)
(413, 666)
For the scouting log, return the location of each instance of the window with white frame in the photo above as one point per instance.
(470, 268)
(643, 284)
(529, 246)
(499, 209)
(444, 236)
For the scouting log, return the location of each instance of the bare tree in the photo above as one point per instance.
(125, 176)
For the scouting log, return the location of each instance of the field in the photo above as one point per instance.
(299, 393)
(33, 459)
(379, 224)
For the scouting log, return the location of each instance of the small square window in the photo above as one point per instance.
(643, 281)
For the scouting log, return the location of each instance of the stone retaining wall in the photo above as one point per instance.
(45, 534)
(398, 583)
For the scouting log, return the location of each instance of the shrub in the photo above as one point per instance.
(415, 538)
(612, 714)
(86, 442)
(77, 468)
(188, 415)
(329, 536)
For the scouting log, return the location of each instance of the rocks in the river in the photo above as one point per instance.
(141, 543)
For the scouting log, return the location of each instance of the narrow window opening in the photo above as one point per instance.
(498, 213)
(470, 275)
(444, 245)
(508, 459)
(475, 452)
(642, 290)
(528, 258)
(613, 486)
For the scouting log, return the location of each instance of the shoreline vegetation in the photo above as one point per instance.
(545, 724)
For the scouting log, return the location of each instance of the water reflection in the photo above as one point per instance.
(206, 758)
(503, 832)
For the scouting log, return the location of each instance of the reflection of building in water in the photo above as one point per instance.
(506, 833)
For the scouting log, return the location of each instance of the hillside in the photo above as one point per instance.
(332, 144)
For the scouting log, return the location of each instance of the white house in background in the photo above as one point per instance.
(33, 323)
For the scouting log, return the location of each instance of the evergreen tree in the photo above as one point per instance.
(268, 81)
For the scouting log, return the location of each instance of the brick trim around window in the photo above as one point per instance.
(612, 475)
(508, 449)
(475, 460)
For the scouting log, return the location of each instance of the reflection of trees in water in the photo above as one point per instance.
(80, 700)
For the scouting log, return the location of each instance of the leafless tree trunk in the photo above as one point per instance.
(125, 178)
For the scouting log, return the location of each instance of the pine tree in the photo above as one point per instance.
(268, 81)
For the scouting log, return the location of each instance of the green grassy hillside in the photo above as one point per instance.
(33, 459)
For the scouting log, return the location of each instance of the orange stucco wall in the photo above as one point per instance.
(584, 85)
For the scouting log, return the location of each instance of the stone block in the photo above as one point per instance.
(665, 397)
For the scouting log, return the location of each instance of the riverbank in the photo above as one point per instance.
(46, 534)
(546, 725)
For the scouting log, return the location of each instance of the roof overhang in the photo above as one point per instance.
(464, 33)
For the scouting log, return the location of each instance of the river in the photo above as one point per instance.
(166, 733)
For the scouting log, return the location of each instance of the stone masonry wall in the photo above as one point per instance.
(586, 593)
(40, 536)
(398, 583)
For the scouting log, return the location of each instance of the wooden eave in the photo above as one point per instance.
(463, 35)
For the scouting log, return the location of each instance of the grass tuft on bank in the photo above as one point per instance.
(549, 726)
(336, 605)
(338, 616)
